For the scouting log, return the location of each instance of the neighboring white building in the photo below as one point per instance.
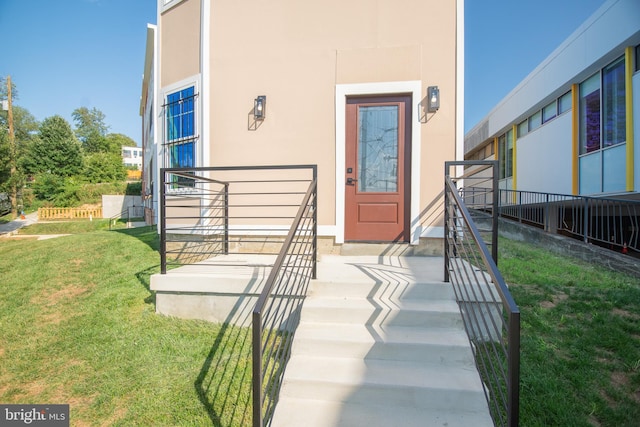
(151, 167)
(132, 156)
(571, 126)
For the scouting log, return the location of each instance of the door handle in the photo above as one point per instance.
(351, 181)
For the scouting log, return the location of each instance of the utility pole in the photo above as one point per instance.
(12, 153)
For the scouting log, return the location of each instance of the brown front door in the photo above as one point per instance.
(377, 168)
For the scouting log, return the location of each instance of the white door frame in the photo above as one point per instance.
(413, 87)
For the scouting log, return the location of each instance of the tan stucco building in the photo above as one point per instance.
(336, 76)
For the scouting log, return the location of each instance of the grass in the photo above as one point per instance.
(79, 326)
(580, 349)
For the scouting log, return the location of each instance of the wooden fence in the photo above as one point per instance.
(69, 213)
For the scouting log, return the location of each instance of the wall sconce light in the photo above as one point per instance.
(433, 99)
(259, 107)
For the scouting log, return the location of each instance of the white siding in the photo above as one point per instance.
(543, 158)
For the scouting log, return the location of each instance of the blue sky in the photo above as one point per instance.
(66, 54)
(506, 39)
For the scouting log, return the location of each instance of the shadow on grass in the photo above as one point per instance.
(144, 277)
(147, 235)
(224, 383)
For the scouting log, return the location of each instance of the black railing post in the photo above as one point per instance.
(257, 368)
(494, 215)
(446, 223)
(226, 219)
(547, 208)
(163, 223)
(519, 193)
(314, 206)
(513, 411)
(585, 221)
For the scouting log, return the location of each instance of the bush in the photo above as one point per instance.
(52, 190)
(47, 186)
(134, 189)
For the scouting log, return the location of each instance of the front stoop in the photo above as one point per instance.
(223, 289)
(381, 343)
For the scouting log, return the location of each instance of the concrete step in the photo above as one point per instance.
(446, 346)
(383, 290)
(388, 382)
(293, 412)
(360, 311)
(381, 342)
(380, 269)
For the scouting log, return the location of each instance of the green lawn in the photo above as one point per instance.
(78, 327)
(580, 337)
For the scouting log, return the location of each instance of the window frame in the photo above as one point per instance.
(523, 128)
(195, 138)
(168, 4)
(546, 117)
(535, 120)
(562, 100)
(610, 104)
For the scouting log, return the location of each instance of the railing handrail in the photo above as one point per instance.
(122, 212)
(264, 297)
(493, 271)
(571, 196)
(604, 221)
(511, 349)
(199, 183)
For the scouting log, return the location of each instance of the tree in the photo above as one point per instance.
(55, 151)
(4, 90)
(117, 140)
(25, 127)
(104, 167)
(16, 127)
(91, 129)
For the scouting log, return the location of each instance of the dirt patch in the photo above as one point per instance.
(51, 301)
(555, 300)
(624, 313)
(65, 294)
(619, 379)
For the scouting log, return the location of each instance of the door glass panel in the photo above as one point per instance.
(378, 149)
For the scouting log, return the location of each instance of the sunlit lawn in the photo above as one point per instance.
(79, 326)
(580, 339)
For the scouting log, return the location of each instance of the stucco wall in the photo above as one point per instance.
(179, 48)
(296, 53)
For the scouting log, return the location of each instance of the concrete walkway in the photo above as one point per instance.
(12, 226)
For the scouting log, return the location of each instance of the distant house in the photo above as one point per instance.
(132, 156)
(334, 79)
(572, 125)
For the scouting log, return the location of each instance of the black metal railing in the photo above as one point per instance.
(607, 222)
(128, 213)
(277, 311)
(489, 312)
(208, 212)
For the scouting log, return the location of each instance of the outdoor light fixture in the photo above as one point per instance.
(433, 99)
(259, 107)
